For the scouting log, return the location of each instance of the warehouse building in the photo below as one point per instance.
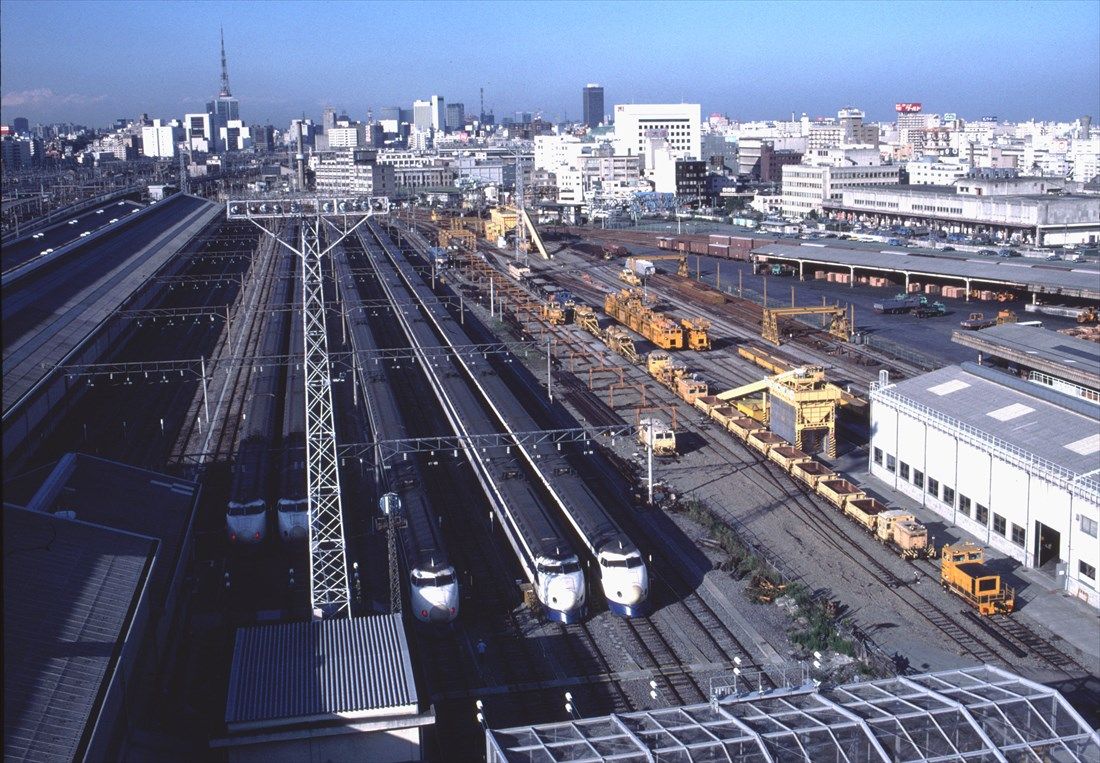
(1011, 463)
(1025, 210)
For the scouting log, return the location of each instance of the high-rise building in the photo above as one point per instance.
(21, 126)
(422, 115)
(328, 118)
(439, 116)
(592, 104)
(390, 119)
(456, 117)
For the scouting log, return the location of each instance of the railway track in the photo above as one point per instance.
(491, 610)
(696, 623)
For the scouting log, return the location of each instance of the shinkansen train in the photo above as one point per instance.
(433, 583)
(623, 576)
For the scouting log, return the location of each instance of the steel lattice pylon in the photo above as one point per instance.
(328, 583)
(330, 594)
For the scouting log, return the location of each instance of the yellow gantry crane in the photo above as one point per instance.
(839, 324)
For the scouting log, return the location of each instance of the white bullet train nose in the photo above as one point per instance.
(631, 595)
(562, 594)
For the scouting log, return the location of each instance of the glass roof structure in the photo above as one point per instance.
(976, 714)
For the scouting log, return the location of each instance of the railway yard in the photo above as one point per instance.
(544, 573)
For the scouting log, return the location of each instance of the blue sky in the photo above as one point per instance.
(93, 61)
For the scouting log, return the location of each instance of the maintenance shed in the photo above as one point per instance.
(981, 713)
(1013, 463)
(1066, 363)
(339, 689)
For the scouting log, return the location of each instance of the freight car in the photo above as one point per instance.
(963, 572)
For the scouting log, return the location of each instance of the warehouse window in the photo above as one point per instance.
(949, 495)
(998, 524)
(981, 513)
(903, 470)
(891, 463)
(878, 456)
(964, 505)
(918, 478)
(933, 487)
(1018, 535)
(1086, 569)
(1088, 526)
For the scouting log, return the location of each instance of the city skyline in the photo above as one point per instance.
(775, 62)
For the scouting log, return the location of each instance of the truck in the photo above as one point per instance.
(977, 321)
(930, 310)
(902, 303)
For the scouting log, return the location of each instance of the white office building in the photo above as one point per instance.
(1011, 463)
(422, 115)
(678, 124)
(339, 172)
(439, 113)
(936, 171)
(200, 133)
(235, 135)
(352, 136)
(160, 140)
(807, 187)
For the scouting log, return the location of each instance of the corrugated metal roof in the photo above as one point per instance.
(1083, 280)
(977, 398)
(295, 671)
(1073, 358)
(69, 590)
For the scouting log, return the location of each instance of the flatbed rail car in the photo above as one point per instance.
(622, 570)
(963, 572)
(433, 582)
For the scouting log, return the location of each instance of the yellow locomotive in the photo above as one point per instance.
(963, 571)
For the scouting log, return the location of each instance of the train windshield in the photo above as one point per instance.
(438, 580)
(629, 562)
(564, 568)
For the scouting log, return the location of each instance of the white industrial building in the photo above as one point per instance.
(1011, 463)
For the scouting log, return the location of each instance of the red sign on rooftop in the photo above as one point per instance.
(907, 108)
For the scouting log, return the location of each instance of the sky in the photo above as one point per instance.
(91, 62)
